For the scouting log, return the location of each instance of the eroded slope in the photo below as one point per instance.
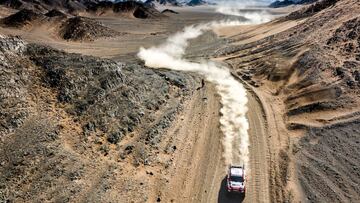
(83, 127)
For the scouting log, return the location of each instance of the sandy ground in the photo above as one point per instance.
(135, 33)
(251, 33)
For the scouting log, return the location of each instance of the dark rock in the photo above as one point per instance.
(55, 13)
(89, 127)
(356, 75)
(114, 137)
(105, 149)
(75, 175)
(169, 11)
(246, 77)
(129, 149)
(339, 72)
(53, 135)
(350, 83)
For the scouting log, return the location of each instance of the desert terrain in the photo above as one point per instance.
(84, 119)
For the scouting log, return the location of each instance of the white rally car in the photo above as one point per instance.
(236, 179)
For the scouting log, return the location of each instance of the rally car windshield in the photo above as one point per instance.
(237, 179)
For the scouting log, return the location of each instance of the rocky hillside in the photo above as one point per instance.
(133, 8)
(45, 5)
(77, 123)
(313, 68)
(67, 27)
(311, 10)
(22, 18)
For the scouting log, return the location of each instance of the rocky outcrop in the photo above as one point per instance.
(346, 39)
(14, 85)
(22, 18)
(84, 29)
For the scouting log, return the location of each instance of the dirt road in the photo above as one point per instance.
(211, 170)
(258, 180)
(198, 173)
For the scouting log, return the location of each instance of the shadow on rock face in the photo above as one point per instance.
(225, 197)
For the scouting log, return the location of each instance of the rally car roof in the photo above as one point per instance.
(236, 171)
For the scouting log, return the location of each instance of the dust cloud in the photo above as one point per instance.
(234, 124)
(243, 9)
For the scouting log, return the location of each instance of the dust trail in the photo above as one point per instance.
(233, 95)
(249, 9)
(257, 17)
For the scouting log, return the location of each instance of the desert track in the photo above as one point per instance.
(258, 176)
(258, 183)
(199, 172)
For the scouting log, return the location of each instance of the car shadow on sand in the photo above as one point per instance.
(225, 197)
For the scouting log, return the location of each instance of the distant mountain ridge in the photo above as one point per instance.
(43, 5)
(163, 2)
(196, 3)
(176, 2)
(283, 3)
(135, 9)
